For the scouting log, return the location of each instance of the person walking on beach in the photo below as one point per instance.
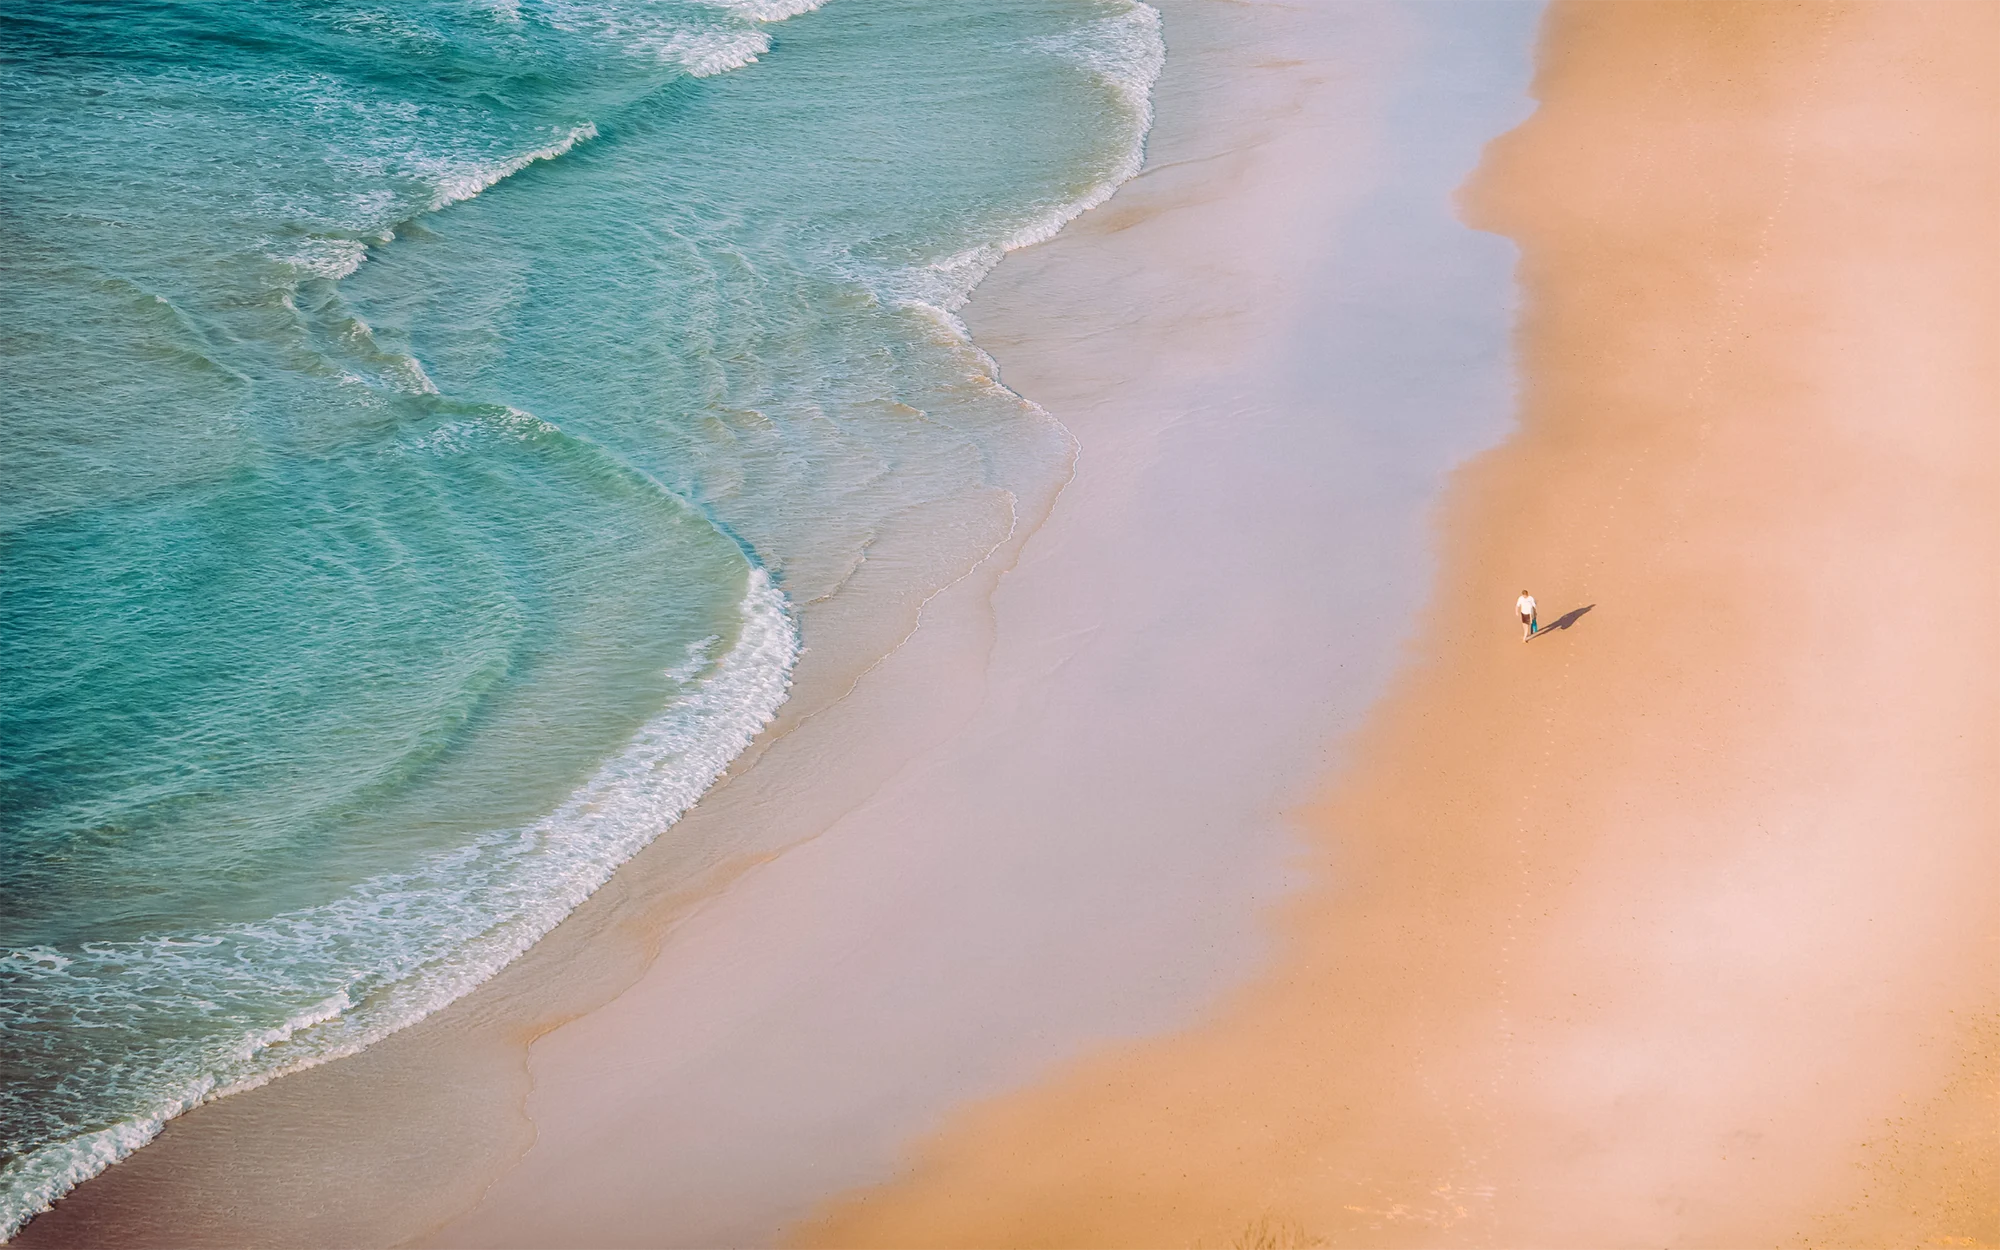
(1529, 625)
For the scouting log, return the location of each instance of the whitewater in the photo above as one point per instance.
(443, 441)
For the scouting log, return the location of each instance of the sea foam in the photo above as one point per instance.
(400, 946)
(731, 40)
(457, 182)
(707, 53)
(767, 10)
(318, 170)
(1126, 51)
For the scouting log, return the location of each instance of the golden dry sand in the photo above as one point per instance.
(1677, 925)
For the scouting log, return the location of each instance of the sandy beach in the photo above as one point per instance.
(1057, 814)
(1676, 925)
(1211, 863)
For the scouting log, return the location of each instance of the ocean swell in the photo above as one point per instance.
(399, 946)
(803, 393)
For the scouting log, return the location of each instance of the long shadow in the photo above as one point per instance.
(1567, 619)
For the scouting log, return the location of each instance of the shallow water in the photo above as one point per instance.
(433, 432)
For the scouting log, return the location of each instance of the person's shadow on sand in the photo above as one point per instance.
(1567, 619)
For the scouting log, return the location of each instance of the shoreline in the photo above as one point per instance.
(995, 832)
(1676, 925)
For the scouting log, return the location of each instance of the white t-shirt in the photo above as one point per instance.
(1527, 605)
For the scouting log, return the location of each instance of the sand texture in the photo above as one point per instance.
(1055, 815)
(1678, 925)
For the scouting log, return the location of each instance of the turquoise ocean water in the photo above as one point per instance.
(433, 430)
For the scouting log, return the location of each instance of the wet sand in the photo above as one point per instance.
(1058, 813)
(1677, 925)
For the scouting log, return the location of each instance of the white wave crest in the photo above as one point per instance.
(463, 181)
(766, 10)
(398, 947)
(1127, 51)
(332, 259)
(730, 39)
(32, 1183)
(318, 1013)
(709, 52)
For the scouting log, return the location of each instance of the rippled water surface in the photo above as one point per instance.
(432, 432)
